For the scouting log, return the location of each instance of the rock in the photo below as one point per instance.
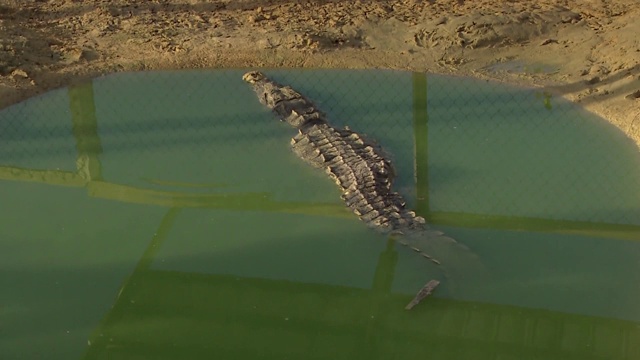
(264, 44)
(89, 54)
(633, 96)
(593, 80)
(19, 73)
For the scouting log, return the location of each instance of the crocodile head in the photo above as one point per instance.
(290, 106)
(253, 77)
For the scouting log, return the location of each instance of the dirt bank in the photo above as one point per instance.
(586, 50)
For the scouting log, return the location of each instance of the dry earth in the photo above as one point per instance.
(585, 50)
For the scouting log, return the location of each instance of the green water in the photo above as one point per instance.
(162, 216)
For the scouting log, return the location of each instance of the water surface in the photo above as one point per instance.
(161, 215)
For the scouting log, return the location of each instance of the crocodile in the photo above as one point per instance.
(357, 165)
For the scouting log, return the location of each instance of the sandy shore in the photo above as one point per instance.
(585, 50)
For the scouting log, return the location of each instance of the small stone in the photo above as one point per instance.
(19, 73)
(441, 20)
(633, 96)
(89, 55)
(593, 80)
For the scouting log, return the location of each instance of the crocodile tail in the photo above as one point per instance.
(401, 240)
(462, 268)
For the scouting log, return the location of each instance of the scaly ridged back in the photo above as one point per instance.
(357, 166)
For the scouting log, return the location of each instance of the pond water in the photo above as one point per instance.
(162, 215)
